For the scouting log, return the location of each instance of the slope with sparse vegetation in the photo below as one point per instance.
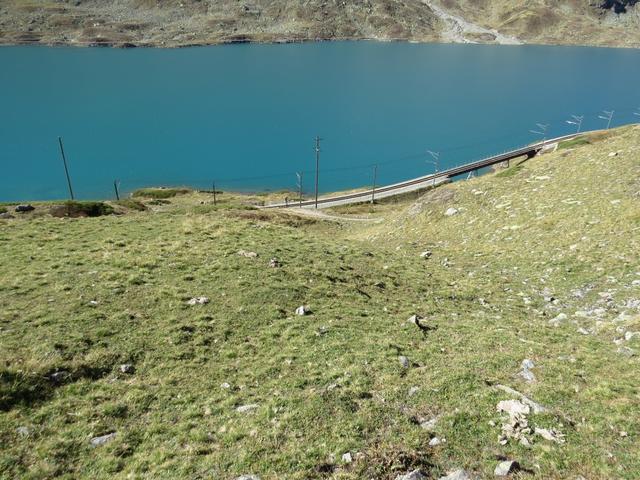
(164, 343)
(173, 23)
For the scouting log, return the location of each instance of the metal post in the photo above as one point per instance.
(66, 169)
(215, 200)
(373, 190)
(115, 187)
(317, 165)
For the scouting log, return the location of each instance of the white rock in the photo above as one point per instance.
(347, 458)
(558, 319)
(244, 253)
(302, 310)
(631, 335)
(247, 408)
(527, 364)
(127, 368)
(198, 301)
(413, 391)
(225, 385)
(101, 440)
(248, 477)
(23, 431)
(430, 425)
(428, 253)
(551, 435)
(505, 468)
(415, 475)
(513, 407)
(435, 441)
(404, 361)
(451, 212)
(456, 475)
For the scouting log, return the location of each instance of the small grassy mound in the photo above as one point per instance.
(159, 193)
(576, 142)
(3, 210)
(82, 209)
(132, 204)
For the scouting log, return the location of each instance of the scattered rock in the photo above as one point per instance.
(415, 475)
(613, 154)
(426, 254)
(457, 475)
(274, 263)
(413, 391)
(626, 351)
(505, 468)
(430, 425)
(551, 435)
(558, 319)
(404, 361)
(225, 385)
(244, 253)
(435, 441)
(513, 407)
(198, 301)
(24, 208)
(6, 215)
(23, 431)
(536, 407)
(347, 458)
(631, 335)
(247, 408)
(302, 310)
(127, 368)
(101, 440)
(248, 477)
(526, 373)
(451, 212)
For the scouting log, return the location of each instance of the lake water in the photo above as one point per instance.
(246, 115)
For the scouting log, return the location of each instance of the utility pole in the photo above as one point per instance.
(608, 116)
(435, 162)
(577, 120)
(115, 187)
(215, 200)
(544, 127)
(299, 175)
(66, 169)
(373, 190)
(317, 165)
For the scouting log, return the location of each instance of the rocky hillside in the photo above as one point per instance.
(175, 23)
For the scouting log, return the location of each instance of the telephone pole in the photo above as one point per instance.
(215, 200)
(115, 186)
(317, 165)
(66, 169)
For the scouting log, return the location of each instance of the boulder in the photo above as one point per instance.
(101, 440)
(302, 310)
(505, 468)
(457, 475)
(415, 475)
(24, 208)
(451, 212)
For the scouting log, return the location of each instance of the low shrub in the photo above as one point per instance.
(160, 192)
(131, 204)
(82, 209)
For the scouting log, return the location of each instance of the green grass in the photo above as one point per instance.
(576, 142)
(3, 210)
(160, 193)
(131, 204)
(91, 294)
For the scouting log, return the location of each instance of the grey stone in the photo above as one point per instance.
(558, 319)
(244, 253)
(6, 215)
(23, 431)
(274, 263)
(347, 458)
(198, 301)
(551, 435)
(457, 475)
(513, 407)
(101, 440)
(451, 211)
(25, 208)
(430, 425)
(404, 361)
(302, 310)
(127, 368)
(413, 391)
(248, 477)
(426, 254)
(247, 408)
(434, 442)
(505, 468)
(415, 475)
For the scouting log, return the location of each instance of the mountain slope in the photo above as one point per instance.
(197, 22)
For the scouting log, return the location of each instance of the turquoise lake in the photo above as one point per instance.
(246, 115)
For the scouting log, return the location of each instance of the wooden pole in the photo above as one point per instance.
(66, 169)
(299, 175)
(115, 186)
(215, 200)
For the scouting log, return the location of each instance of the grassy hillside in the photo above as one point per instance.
(195, 22)
(538, 262)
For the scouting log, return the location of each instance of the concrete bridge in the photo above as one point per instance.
(425, 181)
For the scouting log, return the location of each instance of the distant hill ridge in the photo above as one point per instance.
(175, 23)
